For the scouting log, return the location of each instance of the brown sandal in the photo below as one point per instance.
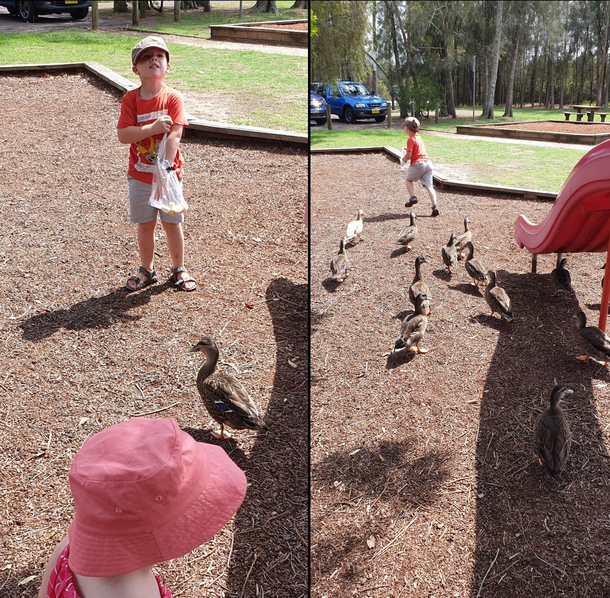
(180, 282)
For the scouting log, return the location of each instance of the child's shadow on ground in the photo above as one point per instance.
(96, 312)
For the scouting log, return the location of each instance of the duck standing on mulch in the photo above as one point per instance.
(147, 114)
(421, 165)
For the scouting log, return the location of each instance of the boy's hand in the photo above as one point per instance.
(162, 125)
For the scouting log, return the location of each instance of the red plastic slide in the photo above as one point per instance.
(579, 220)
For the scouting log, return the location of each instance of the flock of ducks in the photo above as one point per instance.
(414, 327)
(553, 436)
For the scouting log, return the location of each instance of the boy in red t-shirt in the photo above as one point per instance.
(421, 165)
(148, 113)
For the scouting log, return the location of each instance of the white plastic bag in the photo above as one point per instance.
(404, 165)
(166, 188)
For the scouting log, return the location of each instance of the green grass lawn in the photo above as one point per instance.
(253, 89)
(478, 161)
(196, 22)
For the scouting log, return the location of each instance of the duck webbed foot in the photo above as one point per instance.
(582, 357)
(222, 435)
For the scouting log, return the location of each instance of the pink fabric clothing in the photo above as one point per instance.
(61, 582)
(138, 112)
(416, 146)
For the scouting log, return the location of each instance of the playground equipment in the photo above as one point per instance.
(579, 220)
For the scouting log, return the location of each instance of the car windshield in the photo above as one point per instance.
(353, 89)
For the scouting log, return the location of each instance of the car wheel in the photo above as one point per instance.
(379, 119)
(320, 121)
(348, 115)
(27, 11)
(80, 14)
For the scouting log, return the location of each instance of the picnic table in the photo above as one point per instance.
(590, 110)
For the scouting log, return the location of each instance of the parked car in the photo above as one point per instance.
(351, 101)
(317, 108)
(317, 88)
(30, 9)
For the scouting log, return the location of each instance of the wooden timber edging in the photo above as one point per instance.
(258, 33)
(503, 130)
(196, 127)
(444, 183)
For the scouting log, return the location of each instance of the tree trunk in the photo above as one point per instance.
(396, 57)
(508, 111)
(602, 59)
(300, 4)
(533, 83)
(135, 13)
(447, 79)
(120, 6)
(552, 82)
(95, 17)
(495, 56)
(265, 6)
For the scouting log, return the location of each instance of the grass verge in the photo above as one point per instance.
(196, 22)
(473, 160)
(248, 87)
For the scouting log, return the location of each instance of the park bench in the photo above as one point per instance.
(579, 115)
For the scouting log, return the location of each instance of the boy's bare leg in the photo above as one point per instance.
(146, 246)
(175, 244)
(410, 188)
(432, 194)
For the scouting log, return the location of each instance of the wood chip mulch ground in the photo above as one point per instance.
(424, 475)
(81, 354)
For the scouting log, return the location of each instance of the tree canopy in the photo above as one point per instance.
(546, 52)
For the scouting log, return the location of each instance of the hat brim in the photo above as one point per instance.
(221, 496)
(134, 59)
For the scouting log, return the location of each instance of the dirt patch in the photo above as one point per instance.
(423, 467)
(556, 127)
(81, 354)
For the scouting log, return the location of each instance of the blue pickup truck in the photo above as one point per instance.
(351, 101)
(28, 10)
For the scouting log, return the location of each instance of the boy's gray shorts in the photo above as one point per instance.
(421, 171)
(139, 210)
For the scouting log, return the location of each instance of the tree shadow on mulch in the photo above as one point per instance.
(271, 526)
(384, 474)
(552, 537)
(96, 312)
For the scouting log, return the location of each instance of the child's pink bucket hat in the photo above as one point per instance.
(146, 492)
